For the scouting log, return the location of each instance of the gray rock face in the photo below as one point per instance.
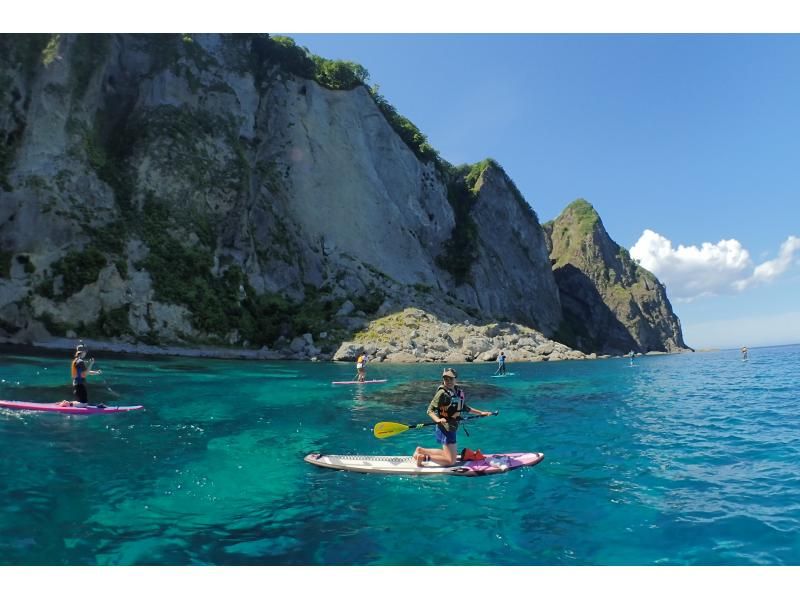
(301, 187)
(354, 190)
(508, 276)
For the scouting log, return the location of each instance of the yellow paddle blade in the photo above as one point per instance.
(386, 429)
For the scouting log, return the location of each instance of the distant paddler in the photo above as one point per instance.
(361, 366)
(501, 365)
(745, 356)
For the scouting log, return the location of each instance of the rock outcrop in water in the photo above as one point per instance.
(166, 189)
(413, 336)
(611, 304)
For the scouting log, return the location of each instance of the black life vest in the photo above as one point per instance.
(452, 403)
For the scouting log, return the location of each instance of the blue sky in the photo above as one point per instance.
(694, 138)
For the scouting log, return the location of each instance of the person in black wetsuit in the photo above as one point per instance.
(79, 370)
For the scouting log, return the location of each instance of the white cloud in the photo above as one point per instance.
(711, 269)
(771, 269)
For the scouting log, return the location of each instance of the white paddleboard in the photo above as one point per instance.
(405, 465)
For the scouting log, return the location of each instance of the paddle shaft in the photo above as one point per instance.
(387, 429)
(432, 423)
(103, 379)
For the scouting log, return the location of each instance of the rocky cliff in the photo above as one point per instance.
(217, 190)
(167, 188)
(610, 304)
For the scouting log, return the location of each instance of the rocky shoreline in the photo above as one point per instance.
(410, 336)
(414, 336)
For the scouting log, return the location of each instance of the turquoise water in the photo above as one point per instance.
(683, 459)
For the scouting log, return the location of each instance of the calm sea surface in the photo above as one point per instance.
(683, 459)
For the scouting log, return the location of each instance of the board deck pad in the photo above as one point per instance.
(405, 465)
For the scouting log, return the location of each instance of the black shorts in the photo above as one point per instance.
(79, 390)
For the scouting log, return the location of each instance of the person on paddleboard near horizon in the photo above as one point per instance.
(361, 366)
(445, 409)
(79, 370)
(501, 368)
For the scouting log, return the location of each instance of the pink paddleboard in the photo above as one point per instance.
(364, 382)
(56, 408)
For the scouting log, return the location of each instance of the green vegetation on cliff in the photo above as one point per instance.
(183, 274)
(333, 74)
(581, 217)
(571, 232)
(461, 249)
(109, 324)
(79, 269)
(76, 269)
(584, 216)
